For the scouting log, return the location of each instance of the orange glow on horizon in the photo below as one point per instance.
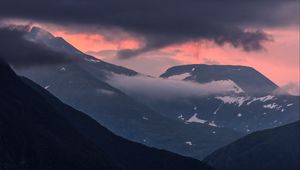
(96, 42)
(279, 62)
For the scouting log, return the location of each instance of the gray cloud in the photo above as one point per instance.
(162, 23)
(288, 89)
(167, 89)
(19, 52)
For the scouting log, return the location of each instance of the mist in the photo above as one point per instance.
(288, 89)
(168, 89)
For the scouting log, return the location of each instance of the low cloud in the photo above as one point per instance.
(20, 52)
(167, 89)
(288, 89)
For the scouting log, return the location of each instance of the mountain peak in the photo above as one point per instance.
(41, 33)
(195, 67)
(249, 79)
(42, 36)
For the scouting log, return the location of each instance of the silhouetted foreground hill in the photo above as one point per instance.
(276, 149)
(34, 136)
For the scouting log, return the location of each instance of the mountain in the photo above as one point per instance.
(238, 108)
(247, 78)
(34, 136)
(276, 149)
(241, 113)
(59, 44)
(82, 85)
(40, 132)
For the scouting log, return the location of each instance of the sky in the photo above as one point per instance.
(279, 60)
(151, 36)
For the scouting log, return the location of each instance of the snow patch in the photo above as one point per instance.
(233, 100)
(262, 99)
(92, 60)
(63, 69)
(194, 119)
(291, 104)
(189, 143)
(212, 123)
(180, 117)
(239, 115)
(145, 118)
(271, 106)
(215, 112)
(47, 87)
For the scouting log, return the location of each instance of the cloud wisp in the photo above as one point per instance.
(288, 89)
(167, 89)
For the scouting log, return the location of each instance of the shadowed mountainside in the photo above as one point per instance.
(39, 132)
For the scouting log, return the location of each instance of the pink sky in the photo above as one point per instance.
(279, 61)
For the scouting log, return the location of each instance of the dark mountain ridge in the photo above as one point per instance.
(39, 132)
(276, 149)
(35, 136)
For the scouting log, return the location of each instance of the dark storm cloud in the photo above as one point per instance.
(165, 22)
(19, 52)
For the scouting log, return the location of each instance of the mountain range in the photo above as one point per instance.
(83, 85)
(38, 131)
(190, 125)
(244, 107)
(222, 114)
